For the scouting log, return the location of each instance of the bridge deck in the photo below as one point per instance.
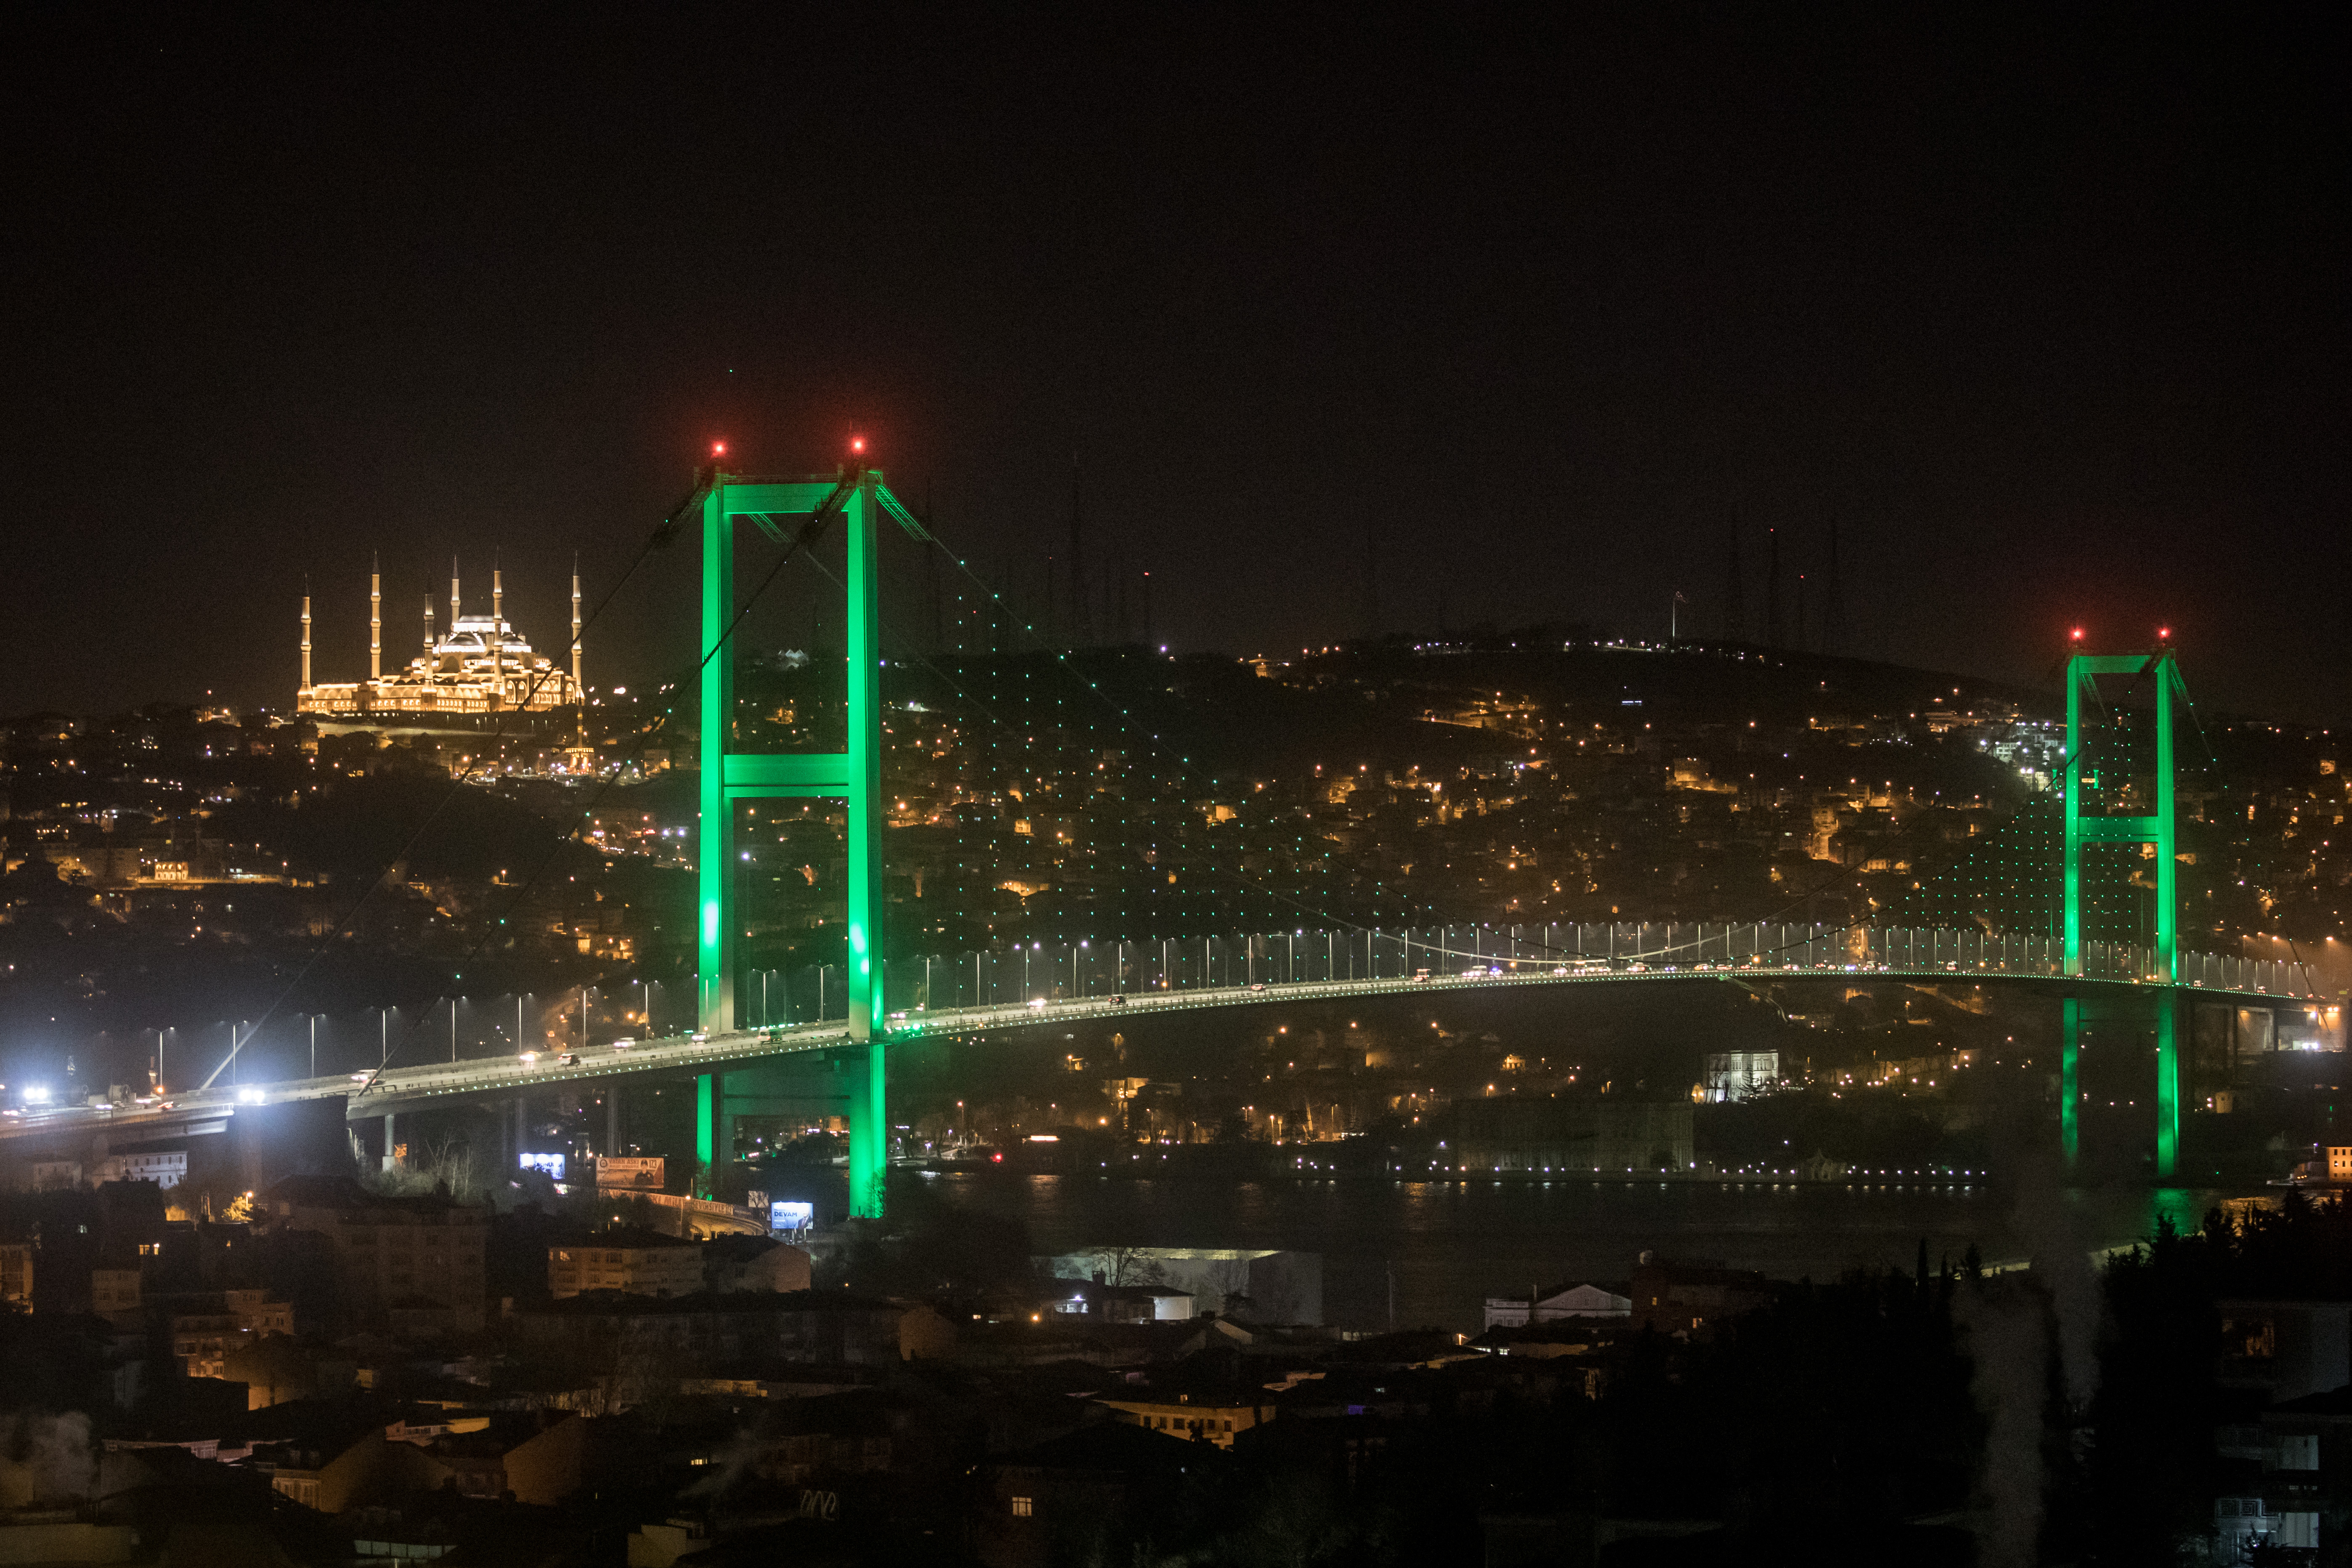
(401, 1088)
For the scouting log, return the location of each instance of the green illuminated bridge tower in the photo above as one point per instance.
(853, 1075)
(2087, 788)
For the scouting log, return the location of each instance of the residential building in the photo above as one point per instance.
(334, 1475)
(113, 1291)
(391, 1252)
(2285, 1350)
(811, 1441)
(208, 1329)
(1123, 1303)
(536, 1458)
(1041, 1500)
(337, 1454)
(1196, 1407)
(732, 1263)
(634, 1262)
(1690, 1299)
(17, 1274)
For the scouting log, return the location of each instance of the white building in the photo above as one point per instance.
(1264, 1286)
(1576, 1301)
(166, 1171)
(1736, 1075)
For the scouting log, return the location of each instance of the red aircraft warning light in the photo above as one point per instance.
(719, 448)
(2163, 633)
(857, 443)
(2078, 634)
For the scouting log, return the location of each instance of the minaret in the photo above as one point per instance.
(498, 623)
(428, 629)
(306, 642)
(579, 692)
(453, 596)
(376, 618)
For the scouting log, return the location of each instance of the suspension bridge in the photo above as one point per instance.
(764, 1042)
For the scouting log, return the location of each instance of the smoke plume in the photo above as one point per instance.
(2005, 1319)
(48, 1458)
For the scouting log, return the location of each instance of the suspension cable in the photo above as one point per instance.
(807, 535)
(663, 533)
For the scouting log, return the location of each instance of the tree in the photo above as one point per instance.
(1127, 1266)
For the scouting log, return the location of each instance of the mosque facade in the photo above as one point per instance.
(477, 665)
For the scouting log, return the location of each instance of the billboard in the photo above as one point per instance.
(787, 1215)
(631, 1171)
(550, 1164)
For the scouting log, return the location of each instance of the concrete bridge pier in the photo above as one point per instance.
(522, 1136)
(2078, 1016)
(845, 1081)
(613, 1116)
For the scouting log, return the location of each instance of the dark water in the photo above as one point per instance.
(1451, 1244)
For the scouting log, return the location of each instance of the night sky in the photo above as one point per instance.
(2048, 312)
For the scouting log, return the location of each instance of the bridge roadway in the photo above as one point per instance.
(399, 1090)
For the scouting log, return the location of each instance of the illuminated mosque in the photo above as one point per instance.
(480, 665)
